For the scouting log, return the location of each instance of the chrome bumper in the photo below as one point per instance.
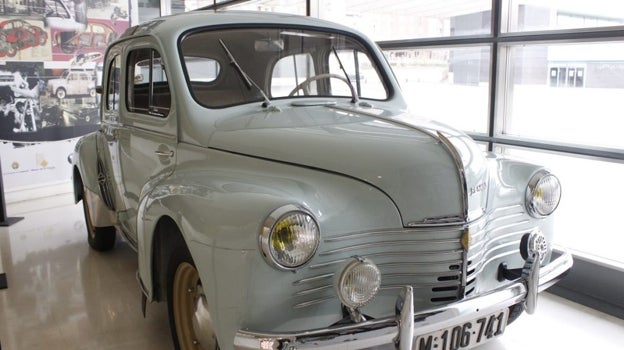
(401, 330)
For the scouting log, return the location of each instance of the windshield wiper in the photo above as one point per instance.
(244, 77)
(354, 95)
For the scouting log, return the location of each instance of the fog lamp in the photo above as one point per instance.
(358, 283)
(532, 243)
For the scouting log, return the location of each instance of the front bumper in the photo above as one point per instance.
(402, 329)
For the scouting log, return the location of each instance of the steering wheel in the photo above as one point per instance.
(305, 85)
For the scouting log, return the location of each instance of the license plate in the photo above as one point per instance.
(466, 335)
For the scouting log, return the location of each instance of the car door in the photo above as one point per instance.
(146, 137)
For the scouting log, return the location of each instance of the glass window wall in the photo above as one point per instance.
(408, 19)
(568, 93)
(297, 7)
(433, 77)
(541, 15)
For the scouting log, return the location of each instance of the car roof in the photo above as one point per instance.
(173, 25)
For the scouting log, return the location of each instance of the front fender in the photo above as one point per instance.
(84, 160)
(85, 181)
(220, 204)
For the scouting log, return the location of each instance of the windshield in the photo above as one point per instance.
(281, 63)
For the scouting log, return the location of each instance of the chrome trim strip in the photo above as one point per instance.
(392, 243)
(461, 172)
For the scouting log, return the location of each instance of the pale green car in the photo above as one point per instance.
(280, 195)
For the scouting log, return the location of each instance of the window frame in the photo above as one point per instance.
(151, 108)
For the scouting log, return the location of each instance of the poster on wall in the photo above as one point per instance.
(51, 54)
(30, 166)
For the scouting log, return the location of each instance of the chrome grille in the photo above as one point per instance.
(430, 259)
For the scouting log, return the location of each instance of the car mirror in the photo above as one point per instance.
(98, 89)
(269, 45)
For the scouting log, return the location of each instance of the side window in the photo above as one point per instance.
(360, 70)
(148, 89)
(112, 93)
(291, 71)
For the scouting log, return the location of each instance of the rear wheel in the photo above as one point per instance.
(189, 316)
(61, 93)
(100, 238)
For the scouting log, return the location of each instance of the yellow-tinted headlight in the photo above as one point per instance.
(289, 237)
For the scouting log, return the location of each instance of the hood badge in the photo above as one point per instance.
(476, 189)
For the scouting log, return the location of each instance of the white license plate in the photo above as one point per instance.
(466, 335)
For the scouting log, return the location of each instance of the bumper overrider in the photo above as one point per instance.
(401, 330)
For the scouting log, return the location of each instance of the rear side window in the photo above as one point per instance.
(148, 89)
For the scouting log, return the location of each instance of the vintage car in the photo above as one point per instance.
(22, 35)
(73, 82)
(95, 36)
(276, 201)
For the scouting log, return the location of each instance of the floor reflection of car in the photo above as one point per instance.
(22, 34)
(95, 36)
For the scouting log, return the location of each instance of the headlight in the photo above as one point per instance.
(358, 282)
(289, 237)
(543, 194)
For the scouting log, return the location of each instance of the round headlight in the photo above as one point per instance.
(358, 283)
(289, 237)
(543, 194)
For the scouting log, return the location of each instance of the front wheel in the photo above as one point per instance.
(189, 316)
(100, 238)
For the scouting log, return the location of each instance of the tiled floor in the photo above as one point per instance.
(62, 295)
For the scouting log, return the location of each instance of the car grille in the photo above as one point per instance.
(431, 259)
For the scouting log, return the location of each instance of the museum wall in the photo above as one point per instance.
(51, 55)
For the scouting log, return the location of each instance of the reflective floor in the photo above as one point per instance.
(62, 295)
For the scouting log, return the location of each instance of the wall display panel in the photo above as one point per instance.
(450, 85)
(579, 86)
(540, 15)
(50, 65)
(26, 166)
(410, 19)
(587, 219)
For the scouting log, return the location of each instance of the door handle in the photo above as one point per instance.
(165, 153)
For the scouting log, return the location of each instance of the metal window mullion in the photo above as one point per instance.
(610, 154)
(494, 68)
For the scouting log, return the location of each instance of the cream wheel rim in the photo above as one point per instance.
(184, 292)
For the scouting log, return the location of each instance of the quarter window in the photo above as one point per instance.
(148, 88)
(112, 93)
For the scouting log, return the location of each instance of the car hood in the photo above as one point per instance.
(434, 174)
